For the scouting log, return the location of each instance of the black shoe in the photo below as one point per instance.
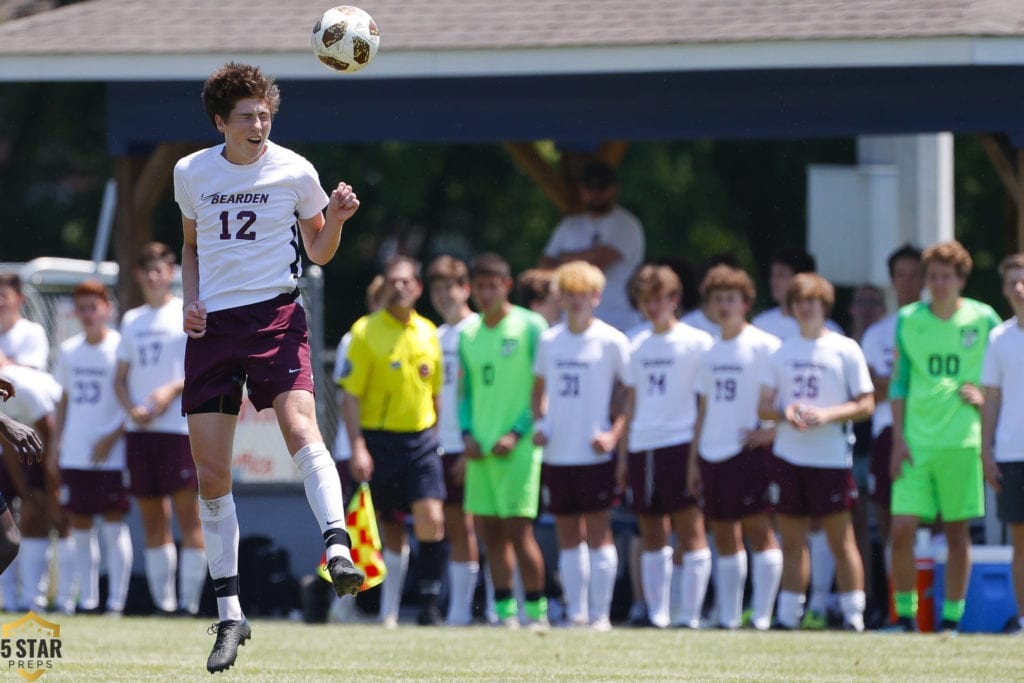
(344, 575)
(949, 626)
(430, 615)
(230, 635)
(901, 625)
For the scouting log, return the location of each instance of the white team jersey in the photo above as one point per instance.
(26, 344)
(342, 446)
(1004, 368)
(729, 379)
(697, 318)
(36, 394)
(879, 345)
(775, 322)
(579, 373)
(819, 372)
(450, 430)
(662, 371)
(246, 230)
(86, 371)
(153, 345)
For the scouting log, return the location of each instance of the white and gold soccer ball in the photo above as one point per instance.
(345, 39)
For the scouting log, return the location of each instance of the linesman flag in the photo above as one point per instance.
(361, 521)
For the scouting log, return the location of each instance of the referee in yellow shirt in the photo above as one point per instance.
(392, 380)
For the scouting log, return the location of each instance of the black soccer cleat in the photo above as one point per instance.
(346, 578)
(901, 625)
(230, 635)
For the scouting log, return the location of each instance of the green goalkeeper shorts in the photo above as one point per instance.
(505, 486)
(949, 482)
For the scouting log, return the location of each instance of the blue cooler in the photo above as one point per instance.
(990, 598)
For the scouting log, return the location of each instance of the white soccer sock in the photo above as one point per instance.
(852, 604)
(87, 567)
(461, 587)
(118, 542)
(767, 573)
(220, 536)
(66, 579)
(729, 583)
(823, 571)
(604, 566)
(34, 559)
(160, 569)
(192, 573)
(696, 574)
(791, 609)
(396, 565)
(656, 579)
(323, 491)
(574, 568)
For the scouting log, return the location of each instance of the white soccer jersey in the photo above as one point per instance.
(817, 372)
(879, 345)
(775, 322)
(579, 372)
(86, 371)
(450, 430)
(342, 446)
(697, 318)
(662, 371)
(729, 379)
(36, 393)
(246, 229)
(26, 344)
(1004, 368)
(153, 345)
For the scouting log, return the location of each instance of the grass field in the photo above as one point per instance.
(161, 649)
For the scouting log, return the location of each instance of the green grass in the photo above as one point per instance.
(158, 649)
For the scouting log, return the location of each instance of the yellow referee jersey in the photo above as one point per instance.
(395, 372)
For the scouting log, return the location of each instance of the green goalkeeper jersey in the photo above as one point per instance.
(934, 358)
(497, 376)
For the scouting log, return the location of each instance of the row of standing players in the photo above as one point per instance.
(764, 453)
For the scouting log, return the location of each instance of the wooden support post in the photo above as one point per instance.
(527, 157)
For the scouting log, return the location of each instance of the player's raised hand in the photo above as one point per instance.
(22, 439)
(344, 202)
(971, 395)
(195, 319)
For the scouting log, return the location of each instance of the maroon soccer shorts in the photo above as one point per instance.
(810, 491)
(578, 489)
(93, 492)
(657, 478)
(880, 485)
(159, 464)
(737, 487)
(456, 489)
(264, 346)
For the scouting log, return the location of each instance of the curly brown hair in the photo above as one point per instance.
(233, 82)
(811, 286)
(728, 278)
(950, 253)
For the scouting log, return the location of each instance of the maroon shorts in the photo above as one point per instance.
(657, 478)
(880, 483)
(737, 487)
(810, 491)
(93, 492)
(159, 464)
(456, 489)
(263, 345)
(576, 489)
(347, 485)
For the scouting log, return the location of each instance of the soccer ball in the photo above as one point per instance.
(345, 38)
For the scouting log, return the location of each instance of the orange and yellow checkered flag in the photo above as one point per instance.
(362, 529)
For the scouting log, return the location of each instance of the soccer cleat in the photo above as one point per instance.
(511, 623)
(901, 625)
(949, 626)
(230, 635)
(347, 579)
(814, 621)
(430, 615)
(601, 625)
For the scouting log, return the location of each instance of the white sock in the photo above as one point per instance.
(67, 585)
(323, 491)
(852, 604)
(604, 567)
(767, 573)
(220, 536)
(396, 564)
(461, 587)
(823, 571)
(791, 609)
(574, 568)
(696, 574)
(118, 542)
(729, 583)
(87, 567)
(656, 579)
(192, 571)
(34, 571)
(9, 585)
(161, 563)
